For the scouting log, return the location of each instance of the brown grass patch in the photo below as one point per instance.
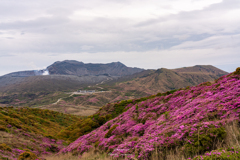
(92, 155)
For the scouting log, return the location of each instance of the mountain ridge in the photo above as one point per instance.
(162, 80)
(70, 67)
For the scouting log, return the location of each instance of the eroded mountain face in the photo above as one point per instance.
(80, 69)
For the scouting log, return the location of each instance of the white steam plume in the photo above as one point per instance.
(45, 72)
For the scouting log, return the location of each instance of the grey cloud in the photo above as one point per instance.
(48, 28)
(33, 24)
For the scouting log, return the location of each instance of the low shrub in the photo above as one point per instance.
(101, 120)
(27, 155)
(2, 128)
(109, 133)
(237, 72)
(5, 147)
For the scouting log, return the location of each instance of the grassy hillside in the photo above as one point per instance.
(35, 130)
(138, 85)
(201, 120)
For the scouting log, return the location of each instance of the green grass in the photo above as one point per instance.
(44, 122)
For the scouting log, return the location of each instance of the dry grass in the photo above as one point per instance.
(72, 109)
(86, 156)
(233, 135)
(62, 157)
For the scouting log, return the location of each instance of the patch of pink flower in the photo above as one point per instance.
(184, 111)
(93, 100)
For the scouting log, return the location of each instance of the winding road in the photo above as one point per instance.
(85, 93)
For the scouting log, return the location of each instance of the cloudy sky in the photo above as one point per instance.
(148, 34)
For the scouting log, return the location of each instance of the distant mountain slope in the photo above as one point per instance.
(186, 123)
(163, 79)
(63, 75)
(47, 83)
(201, 69)
(70, 67)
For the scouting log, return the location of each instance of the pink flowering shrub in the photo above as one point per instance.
(191, 119)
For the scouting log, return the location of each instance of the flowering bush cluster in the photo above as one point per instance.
(192, 119)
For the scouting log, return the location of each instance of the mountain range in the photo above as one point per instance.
(45, 87)
(72, 67)
(65, 75)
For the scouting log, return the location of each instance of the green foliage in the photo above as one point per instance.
(119, 107)
(78, 129)
(135, 138)
(49, 136)
(171, 92)
(203, 141)
(109, 133)
(136, 107)
(108, 117)
(166, 114)
(96, 144)
(86, 129)
(237, 72)
(166, 93)
(102, 120)
(27, 155)
(95, 116)
(188, 87)
(37, 121)
(206, 84)
(52, 148)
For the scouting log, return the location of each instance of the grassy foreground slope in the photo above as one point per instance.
(35, 130)
(201, 120)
